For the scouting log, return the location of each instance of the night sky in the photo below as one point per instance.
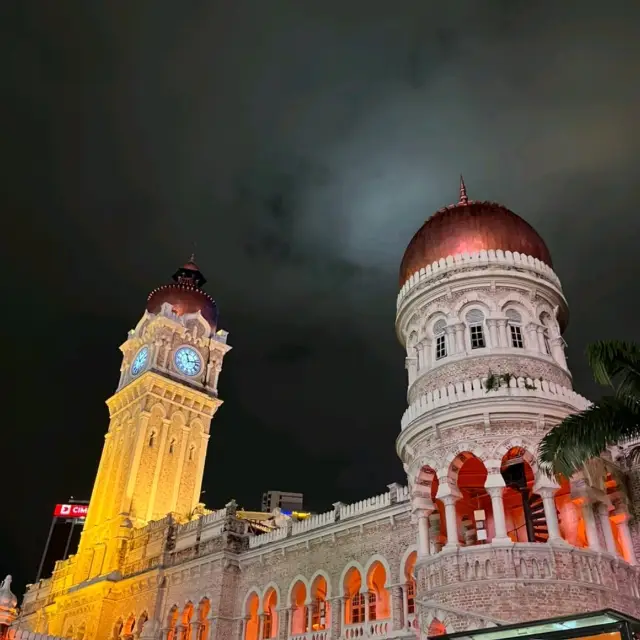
(299, 145)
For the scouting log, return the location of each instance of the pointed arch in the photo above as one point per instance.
(299, 578)
(403, 562)
(271, 586)
(320, 573)
(527, 446)
(377, 558)
(354, 564)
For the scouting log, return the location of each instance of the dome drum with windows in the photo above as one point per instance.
(470, 227)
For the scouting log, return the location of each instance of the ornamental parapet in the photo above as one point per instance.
(478, 260)
(476, 389)
(339, 514)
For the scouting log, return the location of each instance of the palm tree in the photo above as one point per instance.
(615, 419)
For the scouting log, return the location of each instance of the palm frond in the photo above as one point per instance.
(616, 363)
(585, 435)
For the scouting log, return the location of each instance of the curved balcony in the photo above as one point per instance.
(480, 579)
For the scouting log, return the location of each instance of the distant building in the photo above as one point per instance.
(284, 500)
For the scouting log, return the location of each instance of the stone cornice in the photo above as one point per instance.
(160, 387)
(479, 260)
(464, 392)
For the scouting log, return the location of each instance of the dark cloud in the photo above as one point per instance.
(299, 145)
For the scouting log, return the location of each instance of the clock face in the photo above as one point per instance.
(188, 361)
(140, 361)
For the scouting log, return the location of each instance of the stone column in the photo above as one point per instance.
(622, 521)
(309, 615)
(195, 630)
(336, 613)
(590, 525)
(557, 351)
(424, 547)
(411, 365)
(605, 524)
(546, 488)
(449, 496)
(451, 339)
(541, 343)
(532, 333)
(397, 607)
(459, 337)
(493, 332)
(502, 333)
(283, 623)
(494, 486)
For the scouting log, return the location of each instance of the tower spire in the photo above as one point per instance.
(463, 192)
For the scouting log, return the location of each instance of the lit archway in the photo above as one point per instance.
(410, 584)
(474, 513)
(378, 596)
(523, 509)
(187, 616)
(251, 612)
(129, 626)
(427, 485)
(270, 614)
(299, 612)
(172, 623)
(355, 600)
(204, 609)
(436, 628)
(142, 620)
(319, 604)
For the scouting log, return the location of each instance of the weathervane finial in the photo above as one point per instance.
(463, 192)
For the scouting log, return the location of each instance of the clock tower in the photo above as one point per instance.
(155, 447)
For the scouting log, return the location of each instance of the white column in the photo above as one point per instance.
(459, 337)
(424, 548)
(494, 486)
(451, 339)
(502, 333)
(605, 524)
(590, 525)
(557, 351)
(532, 333)
(411, 365)
(541, 344)
(622, 521)
(309, 616)
(493, 332)
(550, 513)
(449, 496)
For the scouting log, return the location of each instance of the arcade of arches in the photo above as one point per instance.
(190, 622)
(512, 503)
(366, 598)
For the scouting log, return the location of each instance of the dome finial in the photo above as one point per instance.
(463, 192)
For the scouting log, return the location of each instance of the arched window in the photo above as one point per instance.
(440, 339)
(356, 602)
(172, 623)
(319, 612)
(514, 320)
(152, 438)
(203, 618)
(475, 320)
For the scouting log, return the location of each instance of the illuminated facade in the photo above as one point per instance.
(478, 538)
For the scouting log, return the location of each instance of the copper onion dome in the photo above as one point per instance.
(185, 294)
(469, 227)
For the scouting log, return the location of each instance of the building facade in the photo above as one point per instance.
(284, 500)
(479, 537)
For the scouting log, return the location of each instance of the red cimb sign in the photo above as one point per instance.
(71, 510)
